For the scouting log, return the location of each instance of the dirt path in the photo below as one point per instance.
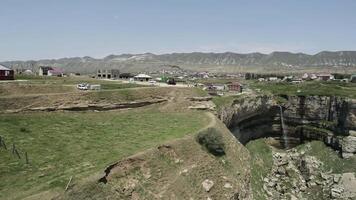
(66, 93)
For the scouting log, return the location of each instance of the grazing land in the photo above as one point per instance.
(79, 144)
(61, 145)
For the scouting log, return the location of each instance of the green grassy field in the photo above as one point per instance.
(322, 88)
(61, 145)
(221, 101)
(261, 165)
(59, 80)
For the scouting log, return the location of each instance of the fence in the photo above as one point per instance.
(14, 150)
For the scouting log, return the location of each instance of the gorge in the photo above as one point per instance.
(293, 120)
(284, 135)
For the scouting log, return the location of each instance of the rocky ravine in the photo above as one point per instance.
(328, 119)
(296, 175)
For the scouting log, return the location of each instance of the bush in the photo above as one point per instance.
(24, 130)
(212, 140)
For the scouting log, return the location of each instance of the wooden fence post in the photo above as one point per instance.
(13, 148)
(3, 143)
(17, 153)
(70, 180)
(26, 156)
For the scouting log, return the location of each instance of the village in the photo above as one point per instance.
(217, 84)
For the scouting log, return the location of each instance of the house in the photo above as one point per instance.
(142, 77)
(126, 75)
(325, 77)
(288, 78)
(202, 75)
(235, 86)
(107, 74)
(50, 71)
(43, 70)
(306, 76)
(273, 79)
(353, 78)
(6, 73)
(313, 76)
(55, 71)
(215, 87)
(27, 72)
(297, 80)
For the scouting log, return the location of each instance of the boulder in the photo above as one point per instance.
(348, 146)
(281, 170)
(336, 192)
(207, 184)
(228, 185)
(348, 185)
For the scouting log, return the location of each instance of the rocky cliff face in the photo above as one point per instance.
(250, 118)
(328, 119)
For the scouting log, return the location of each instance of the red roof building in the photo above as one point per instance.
(235, 86)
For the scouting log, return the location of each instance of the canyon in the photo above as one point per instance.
(289, 127)
(328, 119)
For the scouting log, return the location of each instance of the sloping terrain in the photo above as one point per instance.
(60, 145)
(179, 169)
(64, 144)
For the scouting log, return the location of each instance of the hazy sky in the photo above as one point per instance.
(34, 29)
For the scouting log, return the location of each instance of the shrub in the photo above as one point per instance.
(212, 140)
(24, 130)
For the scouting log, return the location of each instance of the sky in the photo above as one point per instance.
(39, 29)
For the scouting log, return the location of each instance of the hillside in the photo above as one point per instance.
(341, 61)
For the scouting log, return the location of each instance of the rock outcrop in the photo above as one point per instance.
(92, 106)
(348, 146)
(295, 175)
(324, 118)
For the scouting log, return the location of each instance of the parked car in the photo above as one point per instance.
(83, 86)
(152, 82)
(171, 81)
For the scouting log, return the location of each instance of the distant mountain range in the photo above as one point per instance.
(341, 61)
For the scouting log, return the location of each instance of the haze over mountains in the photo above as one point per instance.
(340, 61)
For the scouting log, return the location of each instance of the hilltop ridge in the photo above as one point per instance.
(198, 61)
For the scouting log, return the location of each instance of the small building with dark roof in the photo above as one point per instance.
(6, 73)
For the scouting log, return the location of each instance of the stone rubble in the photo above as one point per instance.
(295, 175)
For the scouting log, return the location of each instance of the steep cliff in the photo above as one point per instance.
(324, 118)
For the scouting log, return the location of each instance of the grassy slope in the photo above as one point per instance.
(261, 165)
(221, 101)
(166, 180)
(64, 144)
